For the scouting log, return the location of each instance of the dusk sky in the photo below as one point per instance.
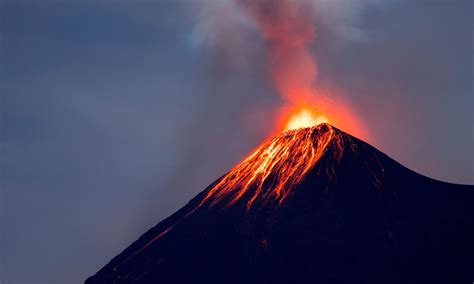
(114, 114)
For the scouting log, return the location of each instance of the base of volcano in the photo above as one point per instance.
(355, 216)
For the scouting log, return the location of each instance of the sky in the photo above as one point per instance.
(114, 114)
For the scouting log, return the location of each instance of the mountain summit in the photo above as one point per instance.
(312, 205)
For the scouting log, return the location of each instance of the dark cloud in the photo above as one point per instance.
(114, 115)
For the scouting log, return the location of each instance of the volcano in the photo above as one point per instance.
(311, 205)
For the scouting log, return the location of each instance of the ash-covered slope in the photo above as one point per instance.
(314, 205)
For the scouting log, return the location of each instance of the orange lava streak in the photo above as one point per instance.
(272, 171)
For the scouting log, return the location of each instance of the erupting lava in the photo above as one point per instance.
(339, 114)
(276, 167)
(304, 117)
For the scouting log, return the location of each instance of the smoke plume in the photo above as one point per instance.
(287, 33)
(288, 29)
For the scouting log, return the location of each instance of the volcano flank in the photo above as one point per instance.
(311, 205)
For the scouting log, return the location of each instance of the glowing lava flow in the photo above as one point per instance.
(272, 171)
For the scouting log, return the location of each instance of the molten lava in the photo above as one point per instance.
(276, 167)
(338, 112)
(304, 117)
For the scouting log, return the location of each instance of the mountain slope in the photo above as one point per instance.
(310, 205)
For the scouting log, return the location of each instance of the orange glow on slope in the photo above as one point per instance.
(276, 167)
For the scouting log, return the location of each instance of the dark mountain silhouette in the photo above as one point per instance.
(313, 205)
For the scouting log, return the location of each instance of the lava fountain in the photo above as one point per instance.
(302, 117)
